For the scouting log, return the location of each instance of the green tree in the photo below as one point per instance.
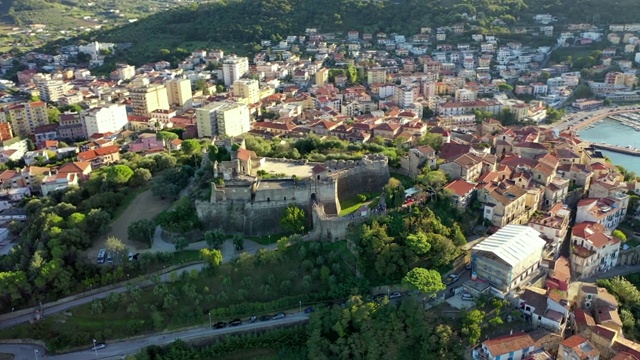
(116, 246)
(431, 139)
(140, 177)
(618, 234)
(419, 243)
(212, 257)
(293, 219)
(214, 238)
(191, 147)
(53, 114)
(432, 180)
(181, 243)
(142, 231)
(423, 280)
(394, 193)
(472, 325)
(119, 174)
(238, 242)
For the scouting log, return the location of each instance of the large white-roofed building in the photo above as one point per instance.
(509, 257)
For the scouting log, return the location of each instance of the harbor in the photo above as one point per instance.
(618, 140)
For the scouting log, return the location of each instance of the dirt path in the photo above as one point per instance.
(144, 206)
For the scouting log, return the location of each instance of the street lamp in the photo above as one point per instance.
(301, 306)
(35, 353)
(95, 348)
(210, 326)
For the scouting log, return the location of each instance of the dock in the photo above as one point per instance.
(618, 149)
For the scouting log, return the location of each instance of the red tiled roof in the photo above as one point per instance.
(460, 187)
(509, 343)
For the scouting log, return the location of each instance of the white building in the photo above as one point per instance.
(509, 257)
(109, 118)
(248, 89)
(592, 250)
(220, 118)
(233, 68)
(179, 92)
(608, 212)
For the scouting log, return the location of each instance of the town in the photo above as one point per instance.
(347, 129)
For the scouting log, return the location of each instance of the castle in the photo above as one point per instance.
(253, 206)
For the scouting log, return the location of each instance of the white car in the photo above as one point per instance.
(395, 295)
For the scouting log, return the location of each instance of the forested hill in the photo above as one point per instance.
(246, 22)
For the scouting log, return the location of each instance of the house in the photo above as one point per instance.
(81, 169)
(101, 156)
(417, 158)
(553, 226)
(36, 156)
(509, 257)
(592, 250)
(175, 144)
(534, 345)
(506, 204)
(577, 348)
(462, 193)
(465, 166)
(559, 274)
(147, 143)
(13, 214)
(57, 182)
(608, 212)
(545, 308)
(16, 194)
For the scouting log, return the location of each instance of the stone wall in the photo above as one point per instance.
(630, 256)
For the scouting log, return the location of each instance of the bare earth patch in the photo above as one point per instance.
(144, 206)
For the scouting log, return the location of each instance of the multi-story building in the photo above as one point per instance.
(465, 95)
(553, 226)
(6, 132)
(219, 118)
(233, 68)
(405, 95)
(592, 250)
(377, 76)
(51, 90)
(146, 99)
(24, 118)
(506, 205)
(608, 212)
(577, 348)
(99, 120)
(322, 76)
(179, 92)
(123, 72)
(248, 89)
(71, 127)
(509, 257)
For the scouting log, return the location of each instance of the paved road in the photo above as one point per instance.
(591, 115)
(120, 349)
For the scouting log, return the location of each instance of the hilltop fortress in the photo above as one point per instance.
(253, 206)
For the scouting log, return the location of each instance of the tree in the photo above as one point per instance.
(214, 238)
(212, 257)
(119, 174)
(97, 222)
(191, 147)
(53, 114)
(431, 139)
(423, 280)
(505, 87)
(238, 242)
(166, 136)
(432, 180)
(293, 219)
(419, 243)
(472, 325)
(618, 234)
(140, 177)
(142, 231)
(116, 246)
(394, 193)
(181, 243)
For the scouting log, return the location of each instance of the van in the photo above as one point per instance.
(101, 256)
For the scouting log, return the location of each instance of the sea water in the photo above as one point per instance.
(613, 132)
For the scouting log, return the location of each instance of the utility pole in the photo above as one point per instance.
(35, 353)
(95, 348)
(210, 326)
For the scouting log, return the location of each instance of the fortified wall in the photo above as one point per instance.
(254, 206)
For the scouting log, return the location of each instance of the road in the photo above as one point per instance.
(573, 119)
(120, 349)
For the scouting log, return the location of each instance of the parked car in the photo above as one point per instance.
(235, 322)
(133, 256)
(466, 297)
(308, 310)
(395, 295)
(451, 279)
(220, 325)
(253, 319)
(110, 258)
(98, 346)
(265, 317)
(278, 316)
(102, 256)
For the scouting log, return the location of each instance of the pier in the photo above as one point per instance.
(618, 149)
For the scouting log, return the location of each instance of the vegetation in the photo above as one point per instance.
(250, 285)
(293, 219)
(628, 295)
(180, 218)
(423, 280)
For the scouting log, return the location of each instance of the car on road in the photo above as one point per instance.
(253, 319)
(451, 279)
(235, 322)
(309, 310)
(220, 325)
(278, 316)
(98, 346)
(265, 317)
(395, 295)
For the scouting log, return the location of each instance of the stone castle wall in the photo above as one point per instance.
(233, 209)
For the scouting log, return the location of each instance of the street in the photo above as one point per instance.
(120, 349)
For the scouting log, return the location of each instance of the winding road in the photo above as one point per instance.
(118, 350)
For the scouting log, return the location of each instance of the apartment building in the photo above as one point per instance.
(509, 257)
(109, 118)
(71, 127)
(233, 68)
(322, 76)
(179, 92)
(123, 72)
(223, 119)
(553, 226)
(26, 117)
(376, 76)
(148, 98)
(248, 89)
(608, 212)
(506, 204)
(592, 249)
(51, 90)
